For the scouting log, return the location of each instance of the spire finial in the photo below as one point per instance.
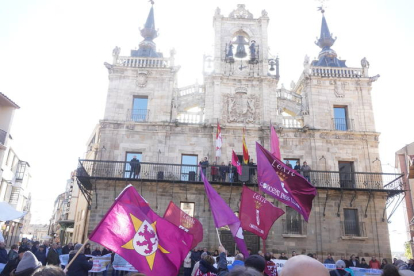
(327, 57)
(149, 33)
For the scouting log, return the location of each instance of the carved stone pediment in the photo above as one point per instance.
(241, 108)
(241, 12)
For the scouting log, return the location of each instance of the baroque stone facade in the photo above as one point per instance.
(241, 91)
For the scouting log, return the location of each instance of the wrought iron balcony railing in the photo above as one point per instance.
(3, 135)
(138, 115)
(99, 169)
(294, 227)
(353, 228)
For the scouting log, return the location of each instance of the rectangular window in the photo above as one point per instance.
(351, 222)
(129, 172)
(188, 173)
(292, 162)
(346, 174)
(187, 207)
(340, 118)
(139, 112)
(293, 222)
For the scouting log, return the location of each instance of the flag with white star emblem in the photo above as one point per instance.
(134, 231)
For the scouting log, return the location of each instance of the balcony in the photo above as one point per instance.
(137, 115)
(342, 124)
(352, 229)
(121, 170)
(3, 135)
(294, 228)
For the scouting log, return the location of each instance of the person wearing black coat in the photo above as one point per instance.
(80, 265)
(41, 255)
(12, 265)
(67, 248)
(87, 249)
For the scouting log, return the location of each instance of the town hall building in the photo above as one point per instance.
(325, 118)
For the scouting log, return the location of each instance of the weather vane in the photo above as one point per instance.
(323, 5)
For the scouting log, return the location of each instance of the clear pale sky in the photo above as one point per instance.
(52, 54)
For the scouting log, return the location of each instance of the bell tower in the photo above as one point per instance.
(239, 89)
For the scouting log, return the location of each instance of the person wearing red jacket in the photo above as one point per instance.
(374, 263)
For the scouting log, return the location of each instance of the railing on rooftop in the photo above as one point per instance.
(97, 169)
(3, 135)
(141, 62)
(336, 72)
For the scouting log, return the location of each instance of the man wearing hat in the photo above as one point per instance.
(27, 265)
(12, 265)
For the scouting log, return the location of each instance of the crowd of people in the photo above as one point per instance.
(32, 258)
(36, 259)
(202, 262)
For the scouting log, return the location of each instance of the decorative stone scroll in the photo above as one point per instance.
(241, 108)
(241, 12)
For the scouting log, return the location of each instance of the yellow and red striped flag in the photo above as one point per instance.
(245, 151)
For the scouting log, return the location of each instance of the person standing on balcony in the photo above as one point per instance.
(135, 166)
(223, 170)
(230, 171)
(306, 171)
(214, 172)
(204, 164)
(288, 164)
(297, 167)
(252, 170)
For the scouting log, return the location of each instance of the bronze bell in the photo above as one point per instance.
(241, 51)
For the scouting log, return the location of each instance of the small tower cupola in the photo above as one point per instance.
(147, 47)
(327, 57)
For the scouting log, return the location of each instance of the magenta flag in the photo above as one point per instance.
(235, 162)
(185, 222)
(134, 231)
(284, 183)
(274, 143)
(257, 215)
(223, 215)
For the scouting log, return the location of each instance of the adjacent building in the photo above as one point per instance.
(325, 118)
(68, 220)
(14, 176)
(404, 162)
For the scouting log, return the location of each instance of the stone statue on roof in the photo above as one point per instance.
(364, 63)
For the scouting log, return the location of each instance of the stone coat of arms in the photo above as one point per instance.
(241, 108)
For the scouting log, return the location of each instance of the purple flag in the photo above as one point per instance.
(274, 142)
(284, 183)
(223, 215)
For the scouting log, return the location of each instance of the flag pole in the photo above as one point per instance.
(218, 236)
(264, 246)
(74, 257)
